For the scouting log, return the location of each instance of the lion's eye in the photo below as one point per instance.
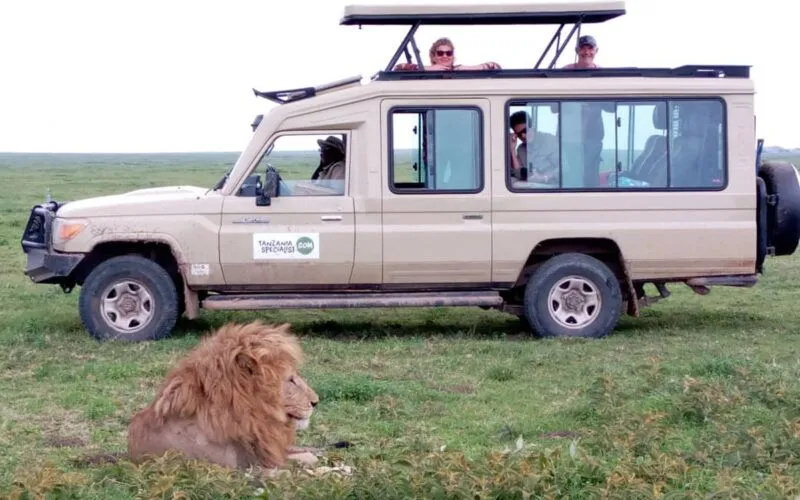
(291, 379)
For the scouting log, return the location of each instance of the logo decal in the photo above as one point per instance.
(285, 246)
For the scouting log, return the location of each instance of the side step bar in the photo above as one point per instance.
(701, 286)
(351, 300)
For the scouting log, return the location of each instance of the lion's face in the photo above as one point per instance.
(299, 400)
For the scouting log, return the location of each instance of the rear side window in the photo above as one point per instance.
(618, 145)
(435, 150)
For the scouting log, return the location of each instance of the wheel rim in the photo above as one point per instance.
(574, 302)
(127, 306)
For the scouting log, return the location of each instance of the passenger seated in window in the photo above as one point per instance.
(327, 179)
(542, 163)
(586, 50)
(331, 159)
(443, 56)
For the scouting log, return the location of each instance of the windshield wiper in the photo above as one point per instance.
(222, 181)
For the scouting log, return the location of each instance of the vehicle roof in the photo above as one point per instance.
(484, 13)
(716, 73)
(546, 88)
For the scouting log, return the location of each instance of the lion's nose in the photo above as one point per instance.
(314, 403)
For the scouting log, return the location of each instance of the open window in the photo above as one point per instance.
(435, 149)
(306, 165)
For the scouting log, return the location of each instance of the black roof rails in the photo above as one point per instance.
(687, 71)
(289, 95)
(298, 94)
(488, 13)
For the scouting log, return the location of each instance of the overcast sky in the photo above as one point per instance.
(175, 75)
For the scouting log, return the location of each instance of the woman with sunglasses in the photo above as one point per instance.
(442, 56)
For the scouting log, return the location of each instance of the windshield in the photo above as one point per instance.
(221, 182)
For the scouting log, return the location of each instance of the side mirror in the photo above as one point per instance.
(270, 188)
(251, 187)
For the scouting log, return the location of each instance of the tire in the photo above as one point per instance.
(762, 226)
(587, 279)
(783, 217)
(142, 300)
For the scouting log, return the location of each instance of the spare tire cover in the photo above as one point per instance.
(783, 217)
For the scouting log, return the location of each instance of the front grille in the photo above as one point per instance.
(36, 230)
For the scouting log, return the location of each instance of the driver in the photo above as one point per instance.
(331, 160)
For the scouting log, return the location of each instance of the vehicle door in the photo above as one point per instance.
(436, 198)
(305, 234)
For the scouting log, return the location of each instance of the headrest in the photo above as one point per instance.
(660, 117)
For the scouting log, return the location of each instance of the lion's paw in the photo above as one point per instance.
(305, 458)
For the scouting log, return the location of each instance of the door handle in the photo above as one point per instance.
(472, 216)
(331, 217)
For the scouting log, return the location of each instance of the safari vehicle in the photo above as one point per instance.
(659, 182)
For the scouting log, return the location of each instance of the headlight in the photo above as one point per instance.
(66, 229)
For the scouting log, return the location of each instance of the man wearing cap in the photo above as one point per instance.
(331, 159)
(586, 50)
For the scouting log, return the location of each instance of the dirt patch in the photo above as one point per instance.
(65, 442)
(98, 459)
(461, 389)
(559, 434)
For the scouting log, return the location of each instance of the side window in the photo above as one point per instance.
(435, 150)
(618, 144)
(308, 165)
(696, 144)
(587, 143)
(534, 143)
(641, 145)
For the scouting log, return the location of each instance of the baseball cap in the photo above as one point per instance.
(587, 40)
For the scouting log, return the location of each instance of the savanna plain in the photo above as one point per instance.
(697, 398)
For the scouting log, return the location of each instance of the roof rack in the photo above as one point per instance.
(686, 71)
(541, 13)
(483, 14)
(298, 94)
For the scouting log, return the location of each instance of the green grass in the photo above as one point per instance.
(698, 397)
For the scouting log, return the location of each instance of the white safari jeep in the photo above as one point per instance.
(655, 177)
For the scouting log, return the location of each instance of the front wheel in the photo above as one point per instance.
(129, 298)
(573, 295)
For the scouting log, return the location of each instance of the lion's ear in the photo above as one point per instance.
(246, 363)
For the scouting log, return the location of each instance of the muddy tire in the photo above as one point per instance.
(783, 218)
(128, 298)
(573, 295)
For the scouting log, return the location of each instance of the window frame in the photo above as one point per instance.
(546, 99)
(273, 139)
(433, 107)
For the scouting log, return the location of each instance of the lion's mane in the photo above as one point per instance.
(222, 402)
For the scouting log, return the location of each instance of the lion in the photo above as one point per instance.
(235, 400)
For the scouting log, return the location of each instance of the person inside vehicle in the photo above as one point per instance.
(328, 177)
(443, 56)
(543, 165)
(331, 160)
(586, 50)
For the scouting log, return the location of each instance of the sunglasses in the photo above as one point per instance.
(441, 53)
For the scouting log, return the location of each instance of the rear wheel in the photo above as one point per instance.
(783, 211)
(129, 298)
(573, 295)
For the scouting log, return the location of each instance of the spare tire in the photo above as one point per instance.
(762, 227)
(783, 205)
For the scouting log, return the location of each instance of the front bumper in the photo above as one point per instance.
(44, 265)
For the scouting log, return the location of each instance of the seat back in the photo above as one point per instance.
(650, 165)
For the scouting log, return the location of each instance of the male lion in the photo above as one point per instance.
(236, 400)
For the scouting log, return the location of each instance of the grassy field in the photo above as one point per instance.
(699, 397)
